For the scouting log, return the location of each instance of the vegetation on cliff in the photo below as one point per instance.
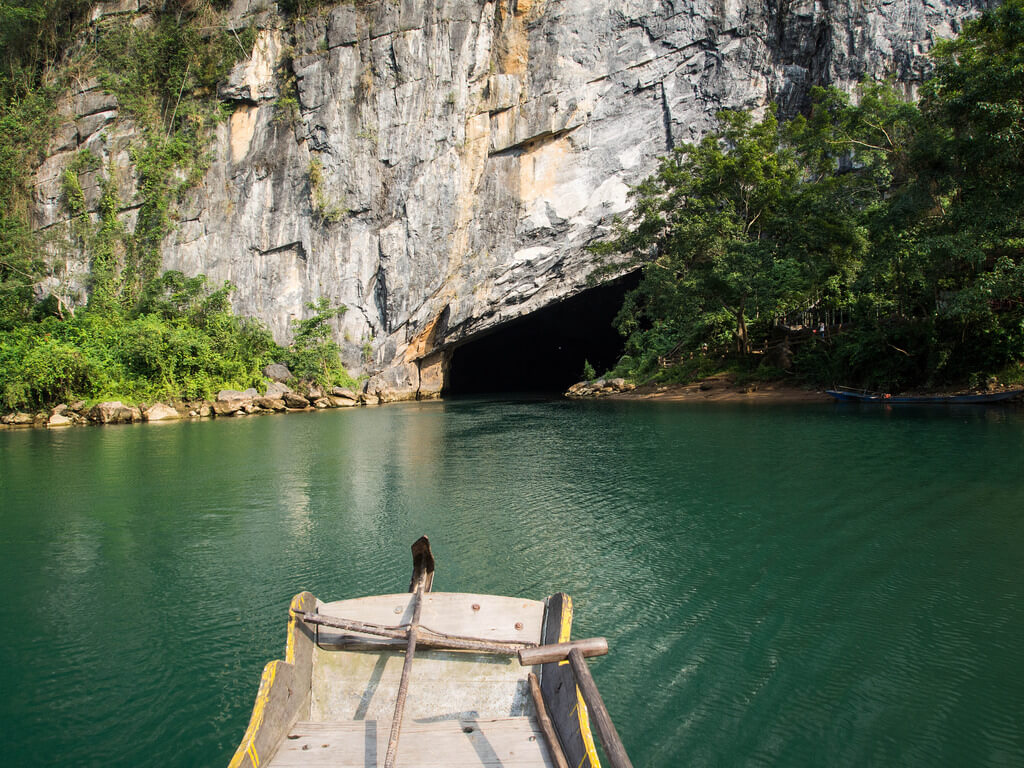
(906, 220)
(142, 335)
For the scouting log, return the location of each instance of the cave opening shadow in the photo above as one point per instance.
(544, 351)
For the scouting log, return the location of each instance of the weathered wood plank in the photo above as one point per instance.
(488, 617)
(480, 743)
(353, 685)
(425, 637)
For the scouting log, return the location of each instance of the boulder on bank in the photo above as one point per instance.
(231, 401)
(337, 401)
(59, 420)
(17, 419)
(294, 400)
(270, 403)
(114, 412)
(276, 389)
(277, 372)
(234, 394)
(599, 388)
(160, 412)
(322, 402)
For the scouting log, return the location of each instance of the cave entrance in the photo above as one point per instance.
(545, 350)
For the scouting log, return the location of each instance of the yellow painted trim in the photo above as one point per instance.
(564, 635)
(565, 630)
(248, 746)
(293, 620)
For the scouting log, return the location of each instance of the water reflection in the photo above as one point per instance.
(788, 586)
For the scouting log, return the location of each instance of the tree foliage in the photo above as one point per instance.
(908, 217)
(185, 343)
(313, 353)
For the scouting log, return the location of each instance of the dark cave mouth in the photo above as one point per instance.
(544, 351)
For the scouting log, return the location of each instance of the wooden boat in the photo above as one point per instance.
(430, 679)
(862, 396)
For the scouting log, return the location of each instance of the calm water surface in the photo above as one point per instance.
(813, 586)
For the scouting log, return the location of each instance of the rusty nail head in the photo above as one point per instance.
(519, 625)
(476, 606)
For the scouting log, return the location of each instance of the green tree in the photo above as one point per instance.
(736, 231)
(313, 354)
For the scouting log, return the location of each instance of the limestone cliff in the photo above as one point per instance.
(448, 161)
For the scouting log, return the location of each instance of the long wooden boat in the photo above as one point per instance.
(860, 396)
(430, 679)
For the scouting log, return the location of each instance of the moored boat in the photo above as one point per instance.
(862, 396)
(430, 679)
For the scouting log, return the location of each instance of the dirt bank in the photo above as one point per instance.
(722, 388)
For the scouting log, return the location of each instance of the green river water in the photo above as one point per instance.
(780, 586)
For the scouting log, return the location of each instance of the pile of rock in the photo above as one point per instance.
(599, 388)
(278, 397)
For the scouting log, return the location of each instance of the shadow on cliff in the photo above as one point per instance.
(544, 351)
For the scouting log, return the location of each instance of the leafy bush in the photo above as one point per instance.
(313, 354)
(48, 371)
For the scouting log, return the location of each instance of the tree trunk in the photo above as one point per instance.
(742, 344)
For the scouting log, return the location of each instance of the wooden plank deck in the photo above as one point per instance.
(362, 685)
(514, 742)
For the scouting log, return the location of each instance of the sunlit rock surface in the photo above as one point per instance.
(468, 151)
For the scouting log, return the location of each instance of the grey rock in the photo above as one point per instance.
(92, 101)
(229, 407)
(270, 403)
(234, 394)
(294, 400)
(58, 420)
(276, 389)
(17, 419)
(88, 125)
(161, 412)
(114, 412)
(277, 372)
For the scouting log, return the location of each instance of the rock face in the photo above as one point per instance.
(449, 161)
(114, 412)
(161, 412)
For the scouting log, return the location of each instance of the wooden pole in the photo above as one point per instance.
(403, 686)
(422, 580)
(610, 741)
(426, 637)
(554, 747)
(545, 654)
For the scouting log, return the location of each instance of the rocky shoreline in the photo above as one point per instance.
(721, 388)
(278, 397)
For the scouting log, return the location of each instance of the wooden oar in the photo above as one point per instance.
(575, 651)
(554, 747)
(422, 578)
